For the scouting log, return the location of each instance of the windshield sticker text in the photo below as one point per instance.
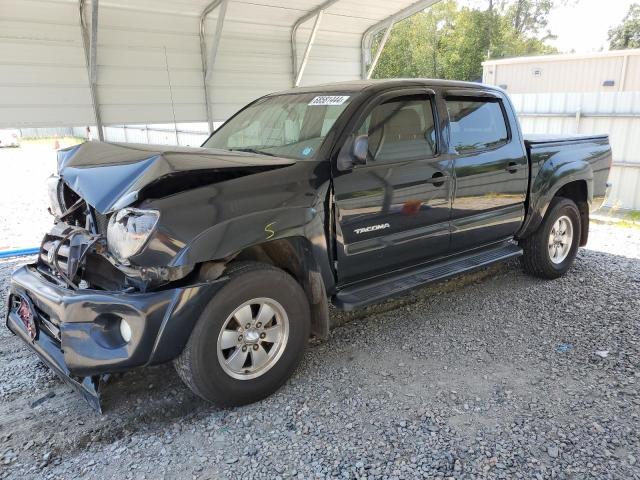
(329, 100)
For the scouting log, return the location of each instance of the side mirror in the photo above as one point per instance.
(353, 152)
(360, 149)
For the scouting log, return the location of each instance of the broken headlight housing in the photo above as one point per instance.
(128, 231)
(53, 187)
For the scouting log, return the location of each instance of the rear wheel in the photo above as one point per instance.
(250, 337)
(550, 251)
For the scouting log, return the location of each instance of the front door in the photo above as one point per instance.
(394, 210)
(490, 168)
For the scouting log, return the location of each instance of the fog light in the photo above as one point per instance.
(125, 331)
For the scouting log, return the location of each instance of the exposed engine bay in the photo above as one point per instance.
(98, 228)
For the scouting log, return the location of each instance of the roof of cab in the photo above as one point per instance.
(382, 84)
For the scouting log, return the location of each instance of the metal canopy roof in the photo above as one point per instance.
(145, 61)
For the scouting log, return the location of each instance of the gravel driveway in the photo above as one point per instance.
(493, 374)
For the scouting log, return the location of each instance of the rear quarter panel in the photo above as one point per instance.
(555, 164)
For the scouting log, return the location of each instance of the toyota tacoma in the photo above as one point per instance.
(224, 258)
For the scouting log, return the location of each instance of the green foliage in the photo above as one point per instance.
(451, 42)
(627, 34)
(529, 16)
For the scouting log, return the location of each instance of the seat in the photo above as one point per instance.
(403, 136)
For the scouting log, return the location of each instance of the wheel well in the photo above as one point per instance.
(293, 255)
(286, 254)
(577, 191)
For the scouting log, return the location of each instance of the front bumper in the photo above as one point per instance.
(78, 332)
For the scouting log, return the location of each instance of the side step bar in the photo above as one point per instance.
(381, 288)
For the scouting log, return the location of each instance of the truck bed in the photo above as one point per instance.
(537, 139)
(591, 152)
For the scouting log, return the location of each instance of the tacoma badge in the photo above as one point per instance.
(372, 228)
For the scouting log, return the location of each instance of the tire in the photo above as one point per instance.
(538, 257)
(211, 372)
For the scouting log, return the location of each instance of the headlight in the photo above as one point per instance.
(53, 184)
(128, 231)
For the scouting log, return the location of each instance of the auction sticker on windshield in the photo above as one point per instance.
(329, 100)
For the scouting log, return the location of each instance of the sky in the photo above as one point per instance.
(582, 25)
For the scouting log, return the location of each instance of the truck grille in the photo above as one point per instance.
(63, 251)
(49, 244)
(102, 222)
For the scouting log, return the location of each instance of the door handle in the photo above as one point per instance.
(438, 179)
(512, 167)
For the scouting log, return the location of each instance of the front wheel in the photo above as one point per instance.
(249, 339)
(550, 251)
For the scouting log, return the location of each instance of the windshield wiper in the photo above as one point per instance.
(253, 150)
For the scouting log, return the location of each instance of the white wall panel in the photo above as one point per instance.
(626, 191)
(615, 114)
(43, 80)
(149, 55)
(566, 72)
(46, 115)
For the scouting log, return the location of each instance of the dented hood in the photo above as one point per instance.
(110, 176)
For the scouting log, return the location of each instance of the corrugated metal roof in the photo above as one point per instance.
(148, 56)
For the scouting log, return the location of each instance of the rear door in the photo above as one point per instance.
(394, 211)
(490, 167)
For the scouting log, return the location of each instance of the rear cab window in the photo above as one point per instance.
(476, 124)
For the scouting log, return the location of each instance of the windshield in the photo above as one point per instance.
(291, 126)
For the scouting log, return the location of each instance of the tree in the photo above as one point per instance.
(530, 16)
(627, 34)
(451, 42)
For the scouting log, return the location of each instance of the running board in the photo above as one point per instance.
(359, 295)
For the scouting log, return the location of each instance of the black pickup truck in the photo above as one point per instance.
(224, 258)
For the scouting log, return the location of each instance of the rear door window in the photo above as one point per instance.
(476, 124)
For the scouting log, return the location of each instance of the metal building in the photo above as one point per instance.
(114, 62)
(595, 93)
(614, 71)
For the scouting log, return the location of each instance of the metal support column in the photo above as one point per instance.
(367, 37)
(207, 66)
(90, 44)
(623, 74)
(307, 52)
(317, 13)
(383, 42)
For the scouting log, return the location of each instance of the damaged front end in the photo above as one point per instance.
(88, 313)
(117, 283)
(89, 250)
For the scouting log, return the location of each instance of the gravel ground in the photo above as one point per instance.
(495, 374)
